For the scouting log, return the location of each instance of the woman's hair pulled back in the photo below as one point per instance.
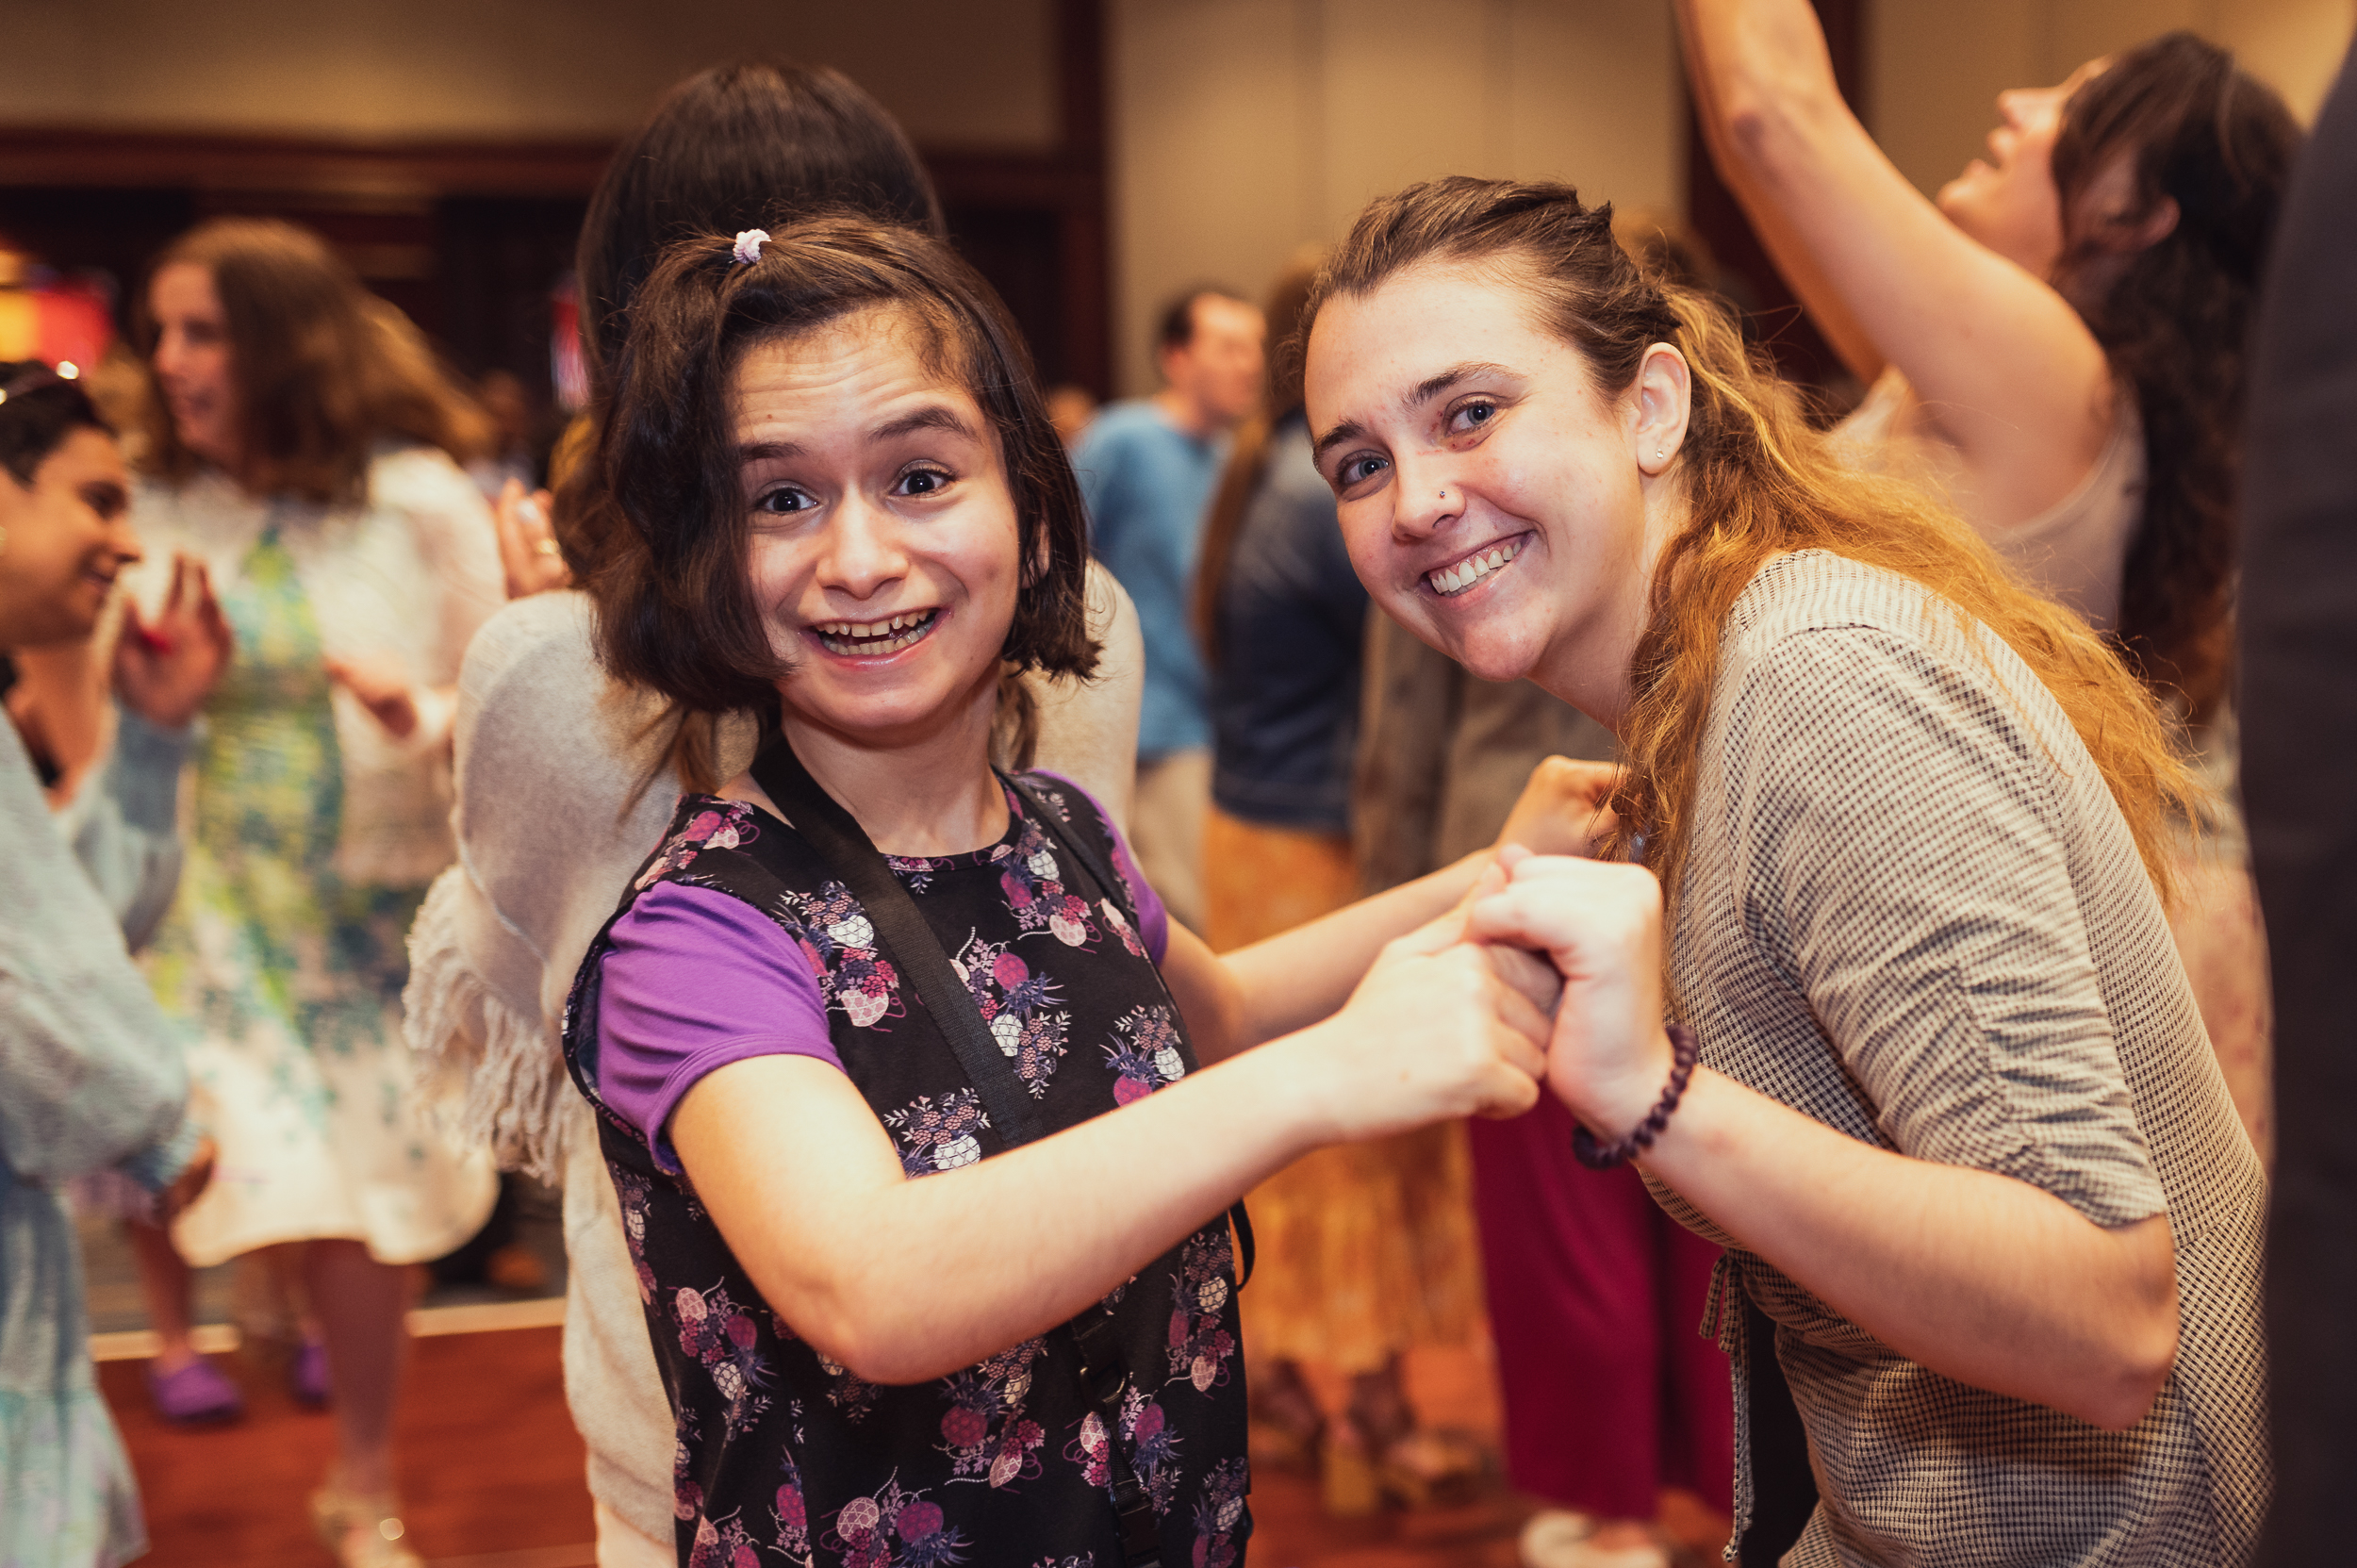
(676, 613)
(2174, 319)
(324, 368)
(1756, 482)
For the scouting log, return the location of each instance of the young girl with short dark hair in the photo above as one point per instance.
(921, 1111)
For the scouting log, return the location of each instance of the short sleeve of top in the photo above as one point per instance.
(694, 979)
(1901, 854)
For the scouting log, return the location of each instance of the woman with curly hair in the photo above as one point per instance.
(1933, 1076)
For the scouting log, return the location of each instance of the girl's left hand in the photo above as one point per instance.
(1562, 810)
(383, 687)
(1600, 924)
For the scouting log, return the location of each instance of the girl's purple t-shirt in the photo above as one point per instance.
(694, 979)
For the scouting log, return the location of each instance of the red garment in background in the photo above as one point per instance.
(1594, 1299)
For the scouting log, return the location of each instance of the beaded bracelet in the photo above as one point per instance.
(1597, 1156)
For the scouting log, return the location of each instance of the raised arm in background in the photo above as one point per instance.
(2006, 371)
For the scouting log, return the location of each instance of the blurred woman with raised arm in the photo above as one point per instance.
(2057, 346)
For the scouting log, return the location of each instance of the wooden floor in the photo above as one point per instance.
(491, 1471)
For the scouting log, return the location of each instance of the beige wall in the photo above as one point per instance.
(955, 72)
(1936, 67)
(1243, 129)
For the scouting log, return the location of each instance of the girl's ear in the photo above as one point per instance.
(1665, 393)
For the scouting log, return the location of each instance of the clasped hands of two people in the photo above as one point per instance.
(1547, 974)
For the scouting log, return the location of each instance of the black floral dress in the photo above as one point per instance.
(783, 1455)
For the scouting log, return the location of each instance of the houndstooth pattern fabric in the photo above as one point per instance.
(1913, 912)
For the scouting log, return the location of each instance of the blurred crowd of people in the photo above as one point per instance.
(399, 794)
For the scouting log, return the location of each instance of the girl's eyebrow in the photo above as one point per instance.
(937, 416)
(932, 415)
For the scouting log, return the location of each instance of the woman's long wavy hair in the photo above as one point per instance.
(1247, 459)
(2174, 319)
(1758, 482)
(324, 368)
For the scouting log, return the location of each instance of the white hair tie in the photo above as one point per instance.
(749, 245)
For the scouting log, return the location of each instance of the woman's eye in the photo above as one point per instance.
(783, 501)
(923, 482)
(1357, 471)
(1470, 416)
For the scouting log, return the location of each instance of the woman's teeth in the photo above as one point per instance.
(869, 638)
(1465, 573)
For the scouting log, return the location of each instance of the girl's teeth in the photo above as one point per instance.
(876, 636)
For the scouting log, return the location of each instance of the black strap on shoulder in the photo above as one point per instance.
(852, 856)
(845, 848)
(1092, 864)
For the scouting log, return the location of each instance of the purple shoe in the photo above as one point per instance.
(197, 1392)
(307, 1374)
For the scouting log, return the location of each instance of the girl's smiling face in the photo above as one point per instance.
(883, 551)
(1494, 501)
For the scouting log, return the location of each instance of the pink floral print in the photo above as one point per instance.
(985, 1431)
(1144, 1052)
(938, 1136)
(1019, 1008)
(894, 1528)
(1200, 1345)
(839, 940)
(727, 825)
(724, 1337)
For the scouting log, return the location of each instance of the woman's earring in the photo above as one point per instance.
(1658, 454)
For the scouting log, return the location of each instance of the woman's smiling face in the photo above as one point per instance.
(1494, 501)
(883, 550)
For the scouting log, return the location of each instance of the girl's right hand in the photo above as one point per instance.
(1439, 1028)
(529, 556)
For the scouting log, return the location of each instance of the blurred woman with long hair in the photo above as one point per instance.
(303, 445)
(2056, 345)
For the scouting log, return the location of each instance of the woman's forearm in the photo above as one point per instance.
(1296, 978)
(1979, 1277)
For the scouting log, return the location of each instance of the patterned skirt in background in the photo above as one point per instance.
(1365, 1250)
(286, 977)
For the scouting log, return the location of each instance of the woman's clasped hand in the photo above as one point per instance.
(1599, 927)
(1441, 1026)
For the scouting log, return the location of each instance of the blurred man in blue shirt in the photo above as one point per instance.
(1147, 469)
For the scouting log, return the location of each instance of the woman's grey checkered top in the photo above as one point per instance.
(1915, 913)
